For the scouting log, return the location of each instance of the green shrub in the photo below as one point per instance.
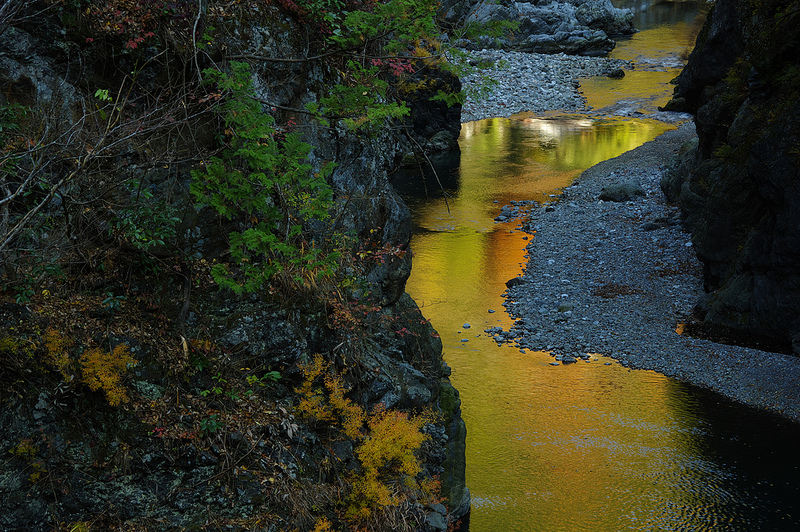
(264, 181)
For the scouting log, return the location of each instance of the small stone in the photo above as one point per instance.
(466, 325)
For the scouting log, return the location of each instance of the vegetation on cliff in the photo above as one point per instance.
(202, 323)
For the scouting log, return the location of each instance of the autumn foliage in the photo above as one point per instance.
(100, 369)
(57, 348)
(104, 370)
(388, 461)
(386, 440)
(328, 403)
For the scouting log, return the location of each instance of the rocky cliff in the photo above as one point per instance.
(739, 187)
(137, 393)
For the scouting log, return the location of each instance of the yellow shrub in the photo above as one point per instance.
(104, 371)
(386, 454)
(57, 351)
(313, 403)
(386, 447)
(350, 415)
(24, 449)
(323, 525)
(328, 403)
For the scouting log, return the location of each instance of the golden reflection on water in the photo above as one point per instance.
(549, 448)
(656, 54)
(526, 158)
(575, 447)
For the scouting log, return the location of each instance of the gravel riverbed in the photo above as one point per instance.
(529, 82)
(615, 278)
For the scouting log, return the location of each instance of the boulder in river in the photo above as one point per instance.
(573, 27)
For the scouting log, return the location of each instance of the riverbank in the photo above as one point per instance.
(616, 279)
(529, 82)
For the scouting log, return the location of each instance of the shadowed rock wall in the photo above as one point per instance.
(739, 187)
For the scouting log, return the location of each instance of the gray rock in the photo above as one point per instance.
(602, 15)
(515, 282)
(621, 192)
(418, 395)
(436, 521)
(574, 27)
(740, 184)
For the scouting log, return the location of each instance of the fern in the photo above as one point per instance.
(264, 181)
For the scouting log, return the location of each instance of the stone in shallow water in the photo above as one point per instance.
(514, 282)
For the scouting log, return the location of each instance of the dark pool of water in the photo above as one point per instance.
(588, 446)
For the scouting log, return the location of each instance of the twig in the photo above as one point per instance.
(433, 169)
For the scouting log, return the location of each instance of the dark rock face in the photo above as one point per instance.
(435, 126)
(177, 485)
(739, 188)
(574, 27)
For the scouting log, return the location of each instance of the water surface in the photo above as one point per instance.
(588, 446)
(658, 51)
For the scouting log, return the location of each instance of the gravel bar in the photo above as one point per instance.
(529, 82)
(615, 279)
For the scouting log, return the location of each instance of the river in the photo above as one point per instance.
(594, 447)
